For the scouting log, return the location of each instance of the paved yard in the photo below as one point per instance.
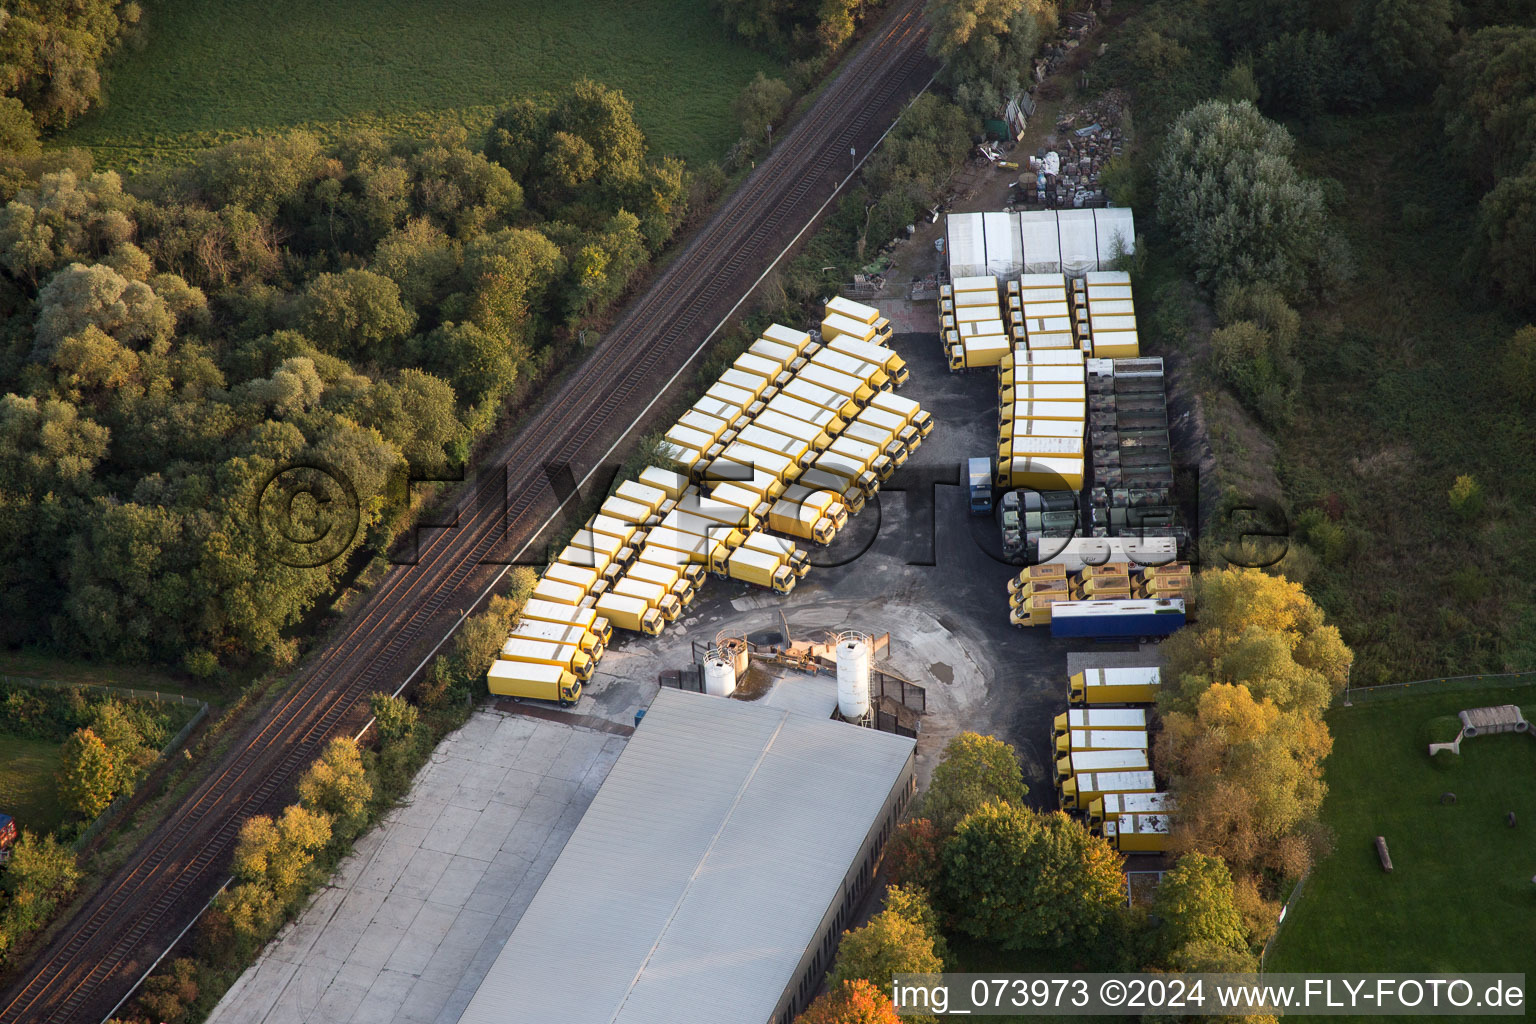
(415, 916)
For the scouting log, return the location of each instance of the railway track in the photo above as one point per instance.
(94, 962)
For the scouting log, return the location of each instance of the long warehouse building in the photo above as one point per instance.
(712, 874)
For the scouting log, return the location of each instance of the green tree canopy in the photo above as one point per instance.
(1195, 902)
(973, 770)
(87, 776)
(1028, 881)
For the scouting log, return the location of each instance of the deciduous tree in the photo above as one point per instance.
(87, 777)
(851, 1002)
(336, 787)
(973, 770)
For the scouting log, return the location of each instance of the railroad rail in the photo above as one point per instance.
(83, 974)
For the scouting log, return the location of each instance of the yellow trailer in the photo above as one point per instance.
(559, 633)
(1111, 806)
(1101, 739)
(586, 618)
(672, 545)
(824, 419)
(1065, 412)
(649, 498)
(798, 340)
(1040, 473)
(783, 356)
(1117, 588)
(712, 520)
(1138, 685)
(670, 577)
(850, 473)
(830, 502)
(1022, 597)
(1045, 444)
(782, 549)
(654, 594)
(1141, 833)
(735, 397)
(684, 436)
(850, 494)
(1115, 344)
(842, 383)
(907, 409)
(631, 613)
(862, 369)
(561, 593)
(771, 419)
(587, 579)
(1037, 574)
(835, 326)
(626, 511)
(544, 652)
(794, 449)
(1079, 791)
(716, 409)
(693, 569)
(841, 405)
(761, 569)
(681, 458)
(765, 368)
(741, 461)
(753, 384)
(839, 306)
(1099, 719)
(1035, 611)
(537, 682)
(619, 529)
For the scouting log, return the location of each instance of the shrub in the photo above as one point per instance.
(1466, 496)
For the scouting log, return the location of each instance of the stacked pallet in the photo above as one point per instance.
(1131, 449)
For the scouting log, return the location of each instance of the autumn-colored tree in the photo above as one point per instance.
(277, 855)
(394, 717)
(87, 777)
(41, 873)
(851, 1002)
(336, 786)
(171, 991)
(912, 855)
(898, 940)
(973, 770)
(1196, 904)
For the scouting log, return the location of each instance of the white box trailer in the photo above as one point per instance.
(798, 340)
(1134, 719)
(1079, 791)
(811, 393)
(817, 416)
(974, 283)
(735, 397)
(771, 419)
(1102, 739)
(586, 618)
(1081, 552)
(965, 300)
(835, 326)
(782, 355)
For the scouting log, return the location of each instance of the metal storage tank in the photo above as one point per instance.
(853, 675)
(719, 675)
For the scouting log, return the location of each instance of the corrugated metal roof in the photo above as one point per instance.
(696, 879)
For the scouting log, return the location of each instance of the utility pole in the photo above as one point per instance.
(853, 164)
(770, 138)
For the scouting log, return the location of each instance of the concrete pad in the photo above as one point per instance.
(419, 910)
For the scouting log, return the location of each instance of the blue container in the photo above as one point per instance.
(1126, 626)
(639, 715)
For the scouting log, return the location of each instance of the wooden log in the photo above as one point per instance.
(1381, 851)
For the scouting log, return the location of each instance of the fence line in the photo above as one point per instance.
(1443, 684)
(125, 691)
(1290, 902)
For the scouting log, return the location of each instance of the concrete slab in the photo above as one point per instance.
(419, 910)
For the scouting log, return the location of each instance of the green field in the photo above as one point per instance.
(203, 72)
(1460, 896)
(26, 783)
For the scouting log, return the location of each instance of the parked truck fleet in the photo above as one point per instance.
(795, 436)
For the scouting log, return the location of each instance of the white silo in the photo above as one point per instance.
(719, 675)
(853, 675)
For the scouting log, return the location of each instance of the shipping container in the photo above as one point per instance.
(1041, 473)
(732, 493)
(837, 305)
(550, 611)
(684, 436)
(537, 682)
(711, 514)
(1134, 719)
(824, 419)
(1138, 685)
(543, 652)
(1071, 413)
(631, 613)
(1078, 792)
(761, 569)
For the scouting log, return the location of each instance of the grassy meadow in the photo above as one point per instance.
(202, 72)
(1460, 894)
(27, 789)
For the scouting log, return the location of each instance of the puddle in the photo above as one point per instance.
(942, 672)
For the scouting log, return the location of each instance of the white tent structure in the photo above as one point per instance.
(1114, 225)
(1042, 248)
(1079, 242)
(1005, 252)
(967, 245)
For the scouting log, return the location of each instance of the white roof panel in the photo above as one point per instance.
(1042, 249)
(1111, 224)
(699, 874)
(1005, 254)
(967, 245)
(1079, 242)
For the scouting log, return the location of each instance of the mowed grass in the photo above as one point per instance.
(1460, 896)
(27, 789)
(205, 71)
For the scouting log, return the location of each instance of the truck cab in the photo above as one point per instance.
(979, 480)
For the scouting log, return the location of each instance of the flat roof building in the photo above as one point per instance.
(712, 874)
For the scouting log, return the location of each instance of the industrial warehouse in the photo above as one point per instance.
(712, 873)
